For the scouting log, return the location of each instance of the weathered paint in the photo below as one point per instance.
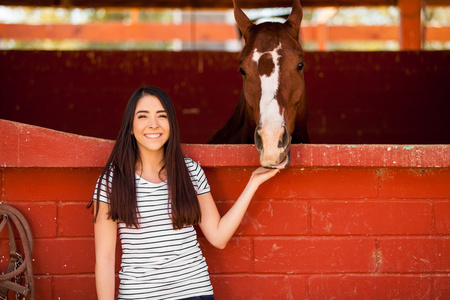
(25, 145)
(343, 221)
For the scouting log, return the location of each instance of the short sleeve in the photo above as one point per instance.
(198, 177)
(101, 184)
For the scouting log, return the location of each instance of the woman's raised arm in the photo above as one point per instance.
(219, 230)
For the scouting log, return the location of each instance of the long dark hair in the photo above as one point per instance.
(121, 166)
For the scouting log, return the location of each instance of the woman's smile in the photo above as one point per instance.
(153, 136)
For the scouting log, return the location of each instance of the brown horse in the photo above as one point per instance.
(272, 108)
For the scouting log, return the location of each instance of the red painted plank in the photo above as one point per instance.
(371, 155)
(235, 258)
(343, 287)
(414, 254)
(272, 218)
(49, 184)
(384, 218)
(26, 146)
(441, 286)
(404, 287)
(74, 220)
(257, 286)
(44, 287)
(294, 183)
(415, 183)
(9, 144)
(442, 217)
(318, 183)
(74, 287)
(66, 256)
(295, 255)
(57, 256)
(31, 146)
(41, 217)
(441, 250)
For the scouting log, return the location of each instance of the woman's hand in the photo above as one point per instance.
(261, 175)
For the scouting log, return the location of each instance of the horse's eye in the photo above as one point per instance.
(242, 71)
(300, 66)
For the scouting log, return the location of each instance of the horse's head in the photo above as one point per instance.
(271, 63)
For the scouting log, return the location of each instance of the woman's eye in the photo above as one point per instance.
(300, 66)
(142, 116)
(163, 116)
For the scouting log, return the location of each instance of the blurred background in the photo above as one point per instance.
(362, 28)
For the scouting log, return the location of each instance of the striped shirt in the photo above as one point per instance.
(159, 262)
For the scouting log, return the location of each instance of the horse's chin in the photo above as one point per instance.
(283, 164)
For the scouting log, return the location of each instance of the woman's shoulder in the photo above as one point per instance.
(107, 172)
(198, 176)
(188, 160)
(191, 164)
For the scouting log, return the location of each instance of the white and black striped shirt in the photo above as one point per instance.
(159, 262)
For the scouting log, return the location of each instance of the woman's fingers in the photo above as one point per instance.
(262, 174)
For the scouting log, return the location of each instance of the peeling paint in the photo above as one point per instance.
(275, 247)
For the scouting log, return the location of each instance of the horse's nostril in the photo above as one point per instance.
(285, 141)
(258, 140)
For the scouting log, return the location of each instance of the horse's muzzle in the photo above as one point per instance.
(274, 153)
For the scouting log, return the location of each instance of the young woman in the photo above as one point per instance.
(154, 196)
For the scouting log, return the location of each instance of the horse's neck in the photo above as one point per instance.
(238, 129)
(300, 134)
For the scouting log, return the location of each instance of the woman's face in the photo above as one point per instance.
(151, 126)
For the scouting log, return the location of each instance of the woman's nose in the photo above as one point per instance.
(153, 123)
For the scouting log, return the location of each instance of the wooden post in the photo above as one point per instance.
(324, 15)
(134, 16)
(410, 25)
(321, 36)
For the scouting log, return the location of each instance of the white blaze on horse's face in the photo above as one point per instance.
(268, 105)
(271, 135)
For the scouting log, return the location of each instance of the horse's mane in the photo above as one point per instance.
(237, 130)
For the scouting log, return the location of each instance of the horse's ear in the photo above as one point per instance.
(295, 18)
(242, 20)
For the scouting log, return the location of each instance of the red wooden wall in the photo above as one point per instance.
(354, 97)
(342, 222)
